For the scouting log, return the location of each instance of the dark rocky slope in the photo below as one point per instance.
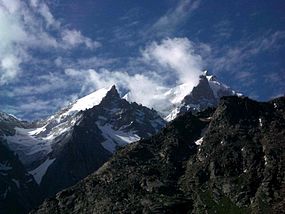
(77, 155)
(238, 168)
(19, 192)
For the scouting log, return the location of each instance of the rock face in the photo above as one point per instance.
(229, 161)
(18, 190)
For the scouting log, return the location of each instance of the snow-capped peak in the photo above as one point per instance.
(34, 145)
(89, 101)
(206, 94)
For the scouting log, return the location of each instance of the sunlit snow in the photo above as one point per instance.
(88, 101)
(199, 142)
(115, 138)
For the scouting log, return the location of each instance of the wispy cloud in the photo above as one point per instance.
(223, 29)
(237, 56)
(74, 38)
(237, 60)
(168, 23)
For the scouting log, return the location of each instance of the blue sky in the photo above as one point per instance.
(55, 51)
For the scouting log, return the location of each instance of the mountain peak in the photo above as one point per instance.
(112, 97)
(113, 92)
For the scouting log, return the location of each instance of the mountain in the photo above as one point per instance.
(206, 94)
(184, 97)
(224, 160)
(95, 136)
(18, 189)
(77, 140)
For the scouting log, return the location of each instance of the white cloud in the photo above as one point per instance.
(25, 25)
(45, 12)
(138, 84)
(11, 5)
(149, 87)
(9, 67)
(73, 38)
(170, 59)
(177, 54)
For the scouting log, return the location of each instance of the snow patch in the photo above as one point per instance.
(265, 160)
(28, 147)
(172, 114)
(88, 101)
(260, 122)
(116, 138)
(40, 171)
(37, 130)
(199, 142)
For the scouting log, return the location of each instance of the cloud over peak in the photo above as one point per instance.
(167, 64)
(178, 55)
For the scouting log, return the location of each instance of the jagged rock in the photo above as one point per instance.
(241, 169)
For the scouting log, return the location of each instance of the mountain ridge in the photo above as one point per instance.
(78, 139)
(236, 167)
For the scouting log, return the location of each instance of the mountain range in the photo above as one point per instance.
(43, 157)
(224, 160)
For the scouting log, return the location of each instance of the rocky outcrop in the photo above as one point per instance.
(231, 162)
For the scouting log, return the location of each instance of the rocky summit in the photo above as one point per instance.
(224, 160)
